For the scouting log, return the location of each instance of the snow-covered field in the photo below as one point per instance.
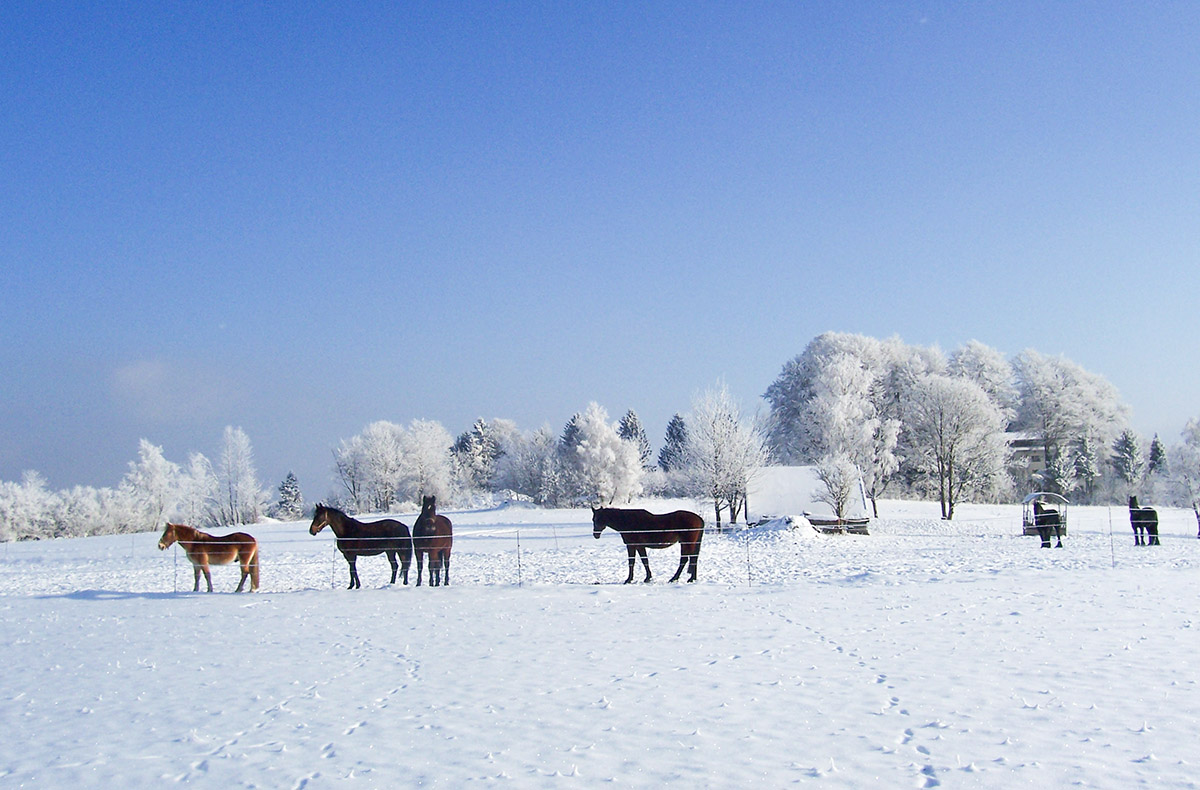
(928, 653)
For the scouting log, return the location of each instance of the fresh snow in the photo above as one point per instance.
(929, 653)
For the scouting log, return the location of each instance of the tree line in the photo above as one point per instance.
(890, 417)
(914, 421)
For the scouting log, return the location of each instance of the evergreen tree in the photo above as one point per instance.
(1127, 459)
(631, 430)
(671, 456)
(290, 505)
(475, 453)
(1087, 469)
(1157, 465)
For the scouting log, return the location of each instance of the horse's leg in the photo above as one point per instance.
(391, 555)
(196, 573)
(1044, 534)
(632, 560)
(645, 561)
(352, 561)
(404, 563)
(446, 567)
(1153, 530)
(245, 574)
(420, 566)
(207, 576)
(683, 558)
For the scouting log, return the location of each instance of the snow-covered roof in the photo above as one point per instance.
(793, 490)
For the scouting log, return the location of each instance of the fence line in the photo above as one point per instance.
(297, 562)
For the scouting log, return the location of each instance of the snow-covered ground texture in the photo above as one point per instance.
(927, 653)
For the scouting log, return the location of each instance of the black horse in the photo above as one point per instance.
(357, 538)
(641, 529)
(1048, 522)
(1144, 521)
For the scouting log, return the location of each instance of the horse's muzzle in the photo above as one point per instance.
(161, 546)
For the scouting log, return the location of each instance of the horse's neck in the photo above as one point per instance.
(339, 522)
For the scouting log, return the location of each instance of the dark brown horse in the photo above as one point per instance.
(366, 539)
(1048, 521)
(1144, 521)
(433, 536)
(641, 529)
(203, 550)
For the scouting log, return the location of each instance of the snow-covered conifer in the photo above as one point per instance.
(631, 430)
(671, 456)
(290, 504)
(1127, 460)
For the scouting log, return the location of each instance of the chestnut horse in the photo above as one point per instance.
(203, 549)
(433, 536)
(641, 529)
(1144, 521)
(365, 539)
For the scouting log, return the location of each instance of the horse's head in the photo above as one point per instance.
(321, 519)
(428, 508)
(599, 521)
(1133, 503)
(168, 536)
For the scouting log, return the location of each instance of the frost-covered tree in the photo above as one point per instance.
(198, 492)
(349, 463)
(609, 468)
(152, 485)
(671, 456)
(426, 462)
(631, 430)
(839, 474)
(370, 466)
(725, 452)
(240, 496)
(1185, 470)
(988, 368)
(960, 432)
(290, 504)
(1061, 404)
(832, 365)
(27, 508)
(531, 466)
(847, 395)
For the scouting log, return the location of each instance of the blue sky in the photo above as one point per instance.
(301, 218)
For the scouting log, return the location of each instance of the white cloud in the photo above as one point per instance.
(168, 392)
